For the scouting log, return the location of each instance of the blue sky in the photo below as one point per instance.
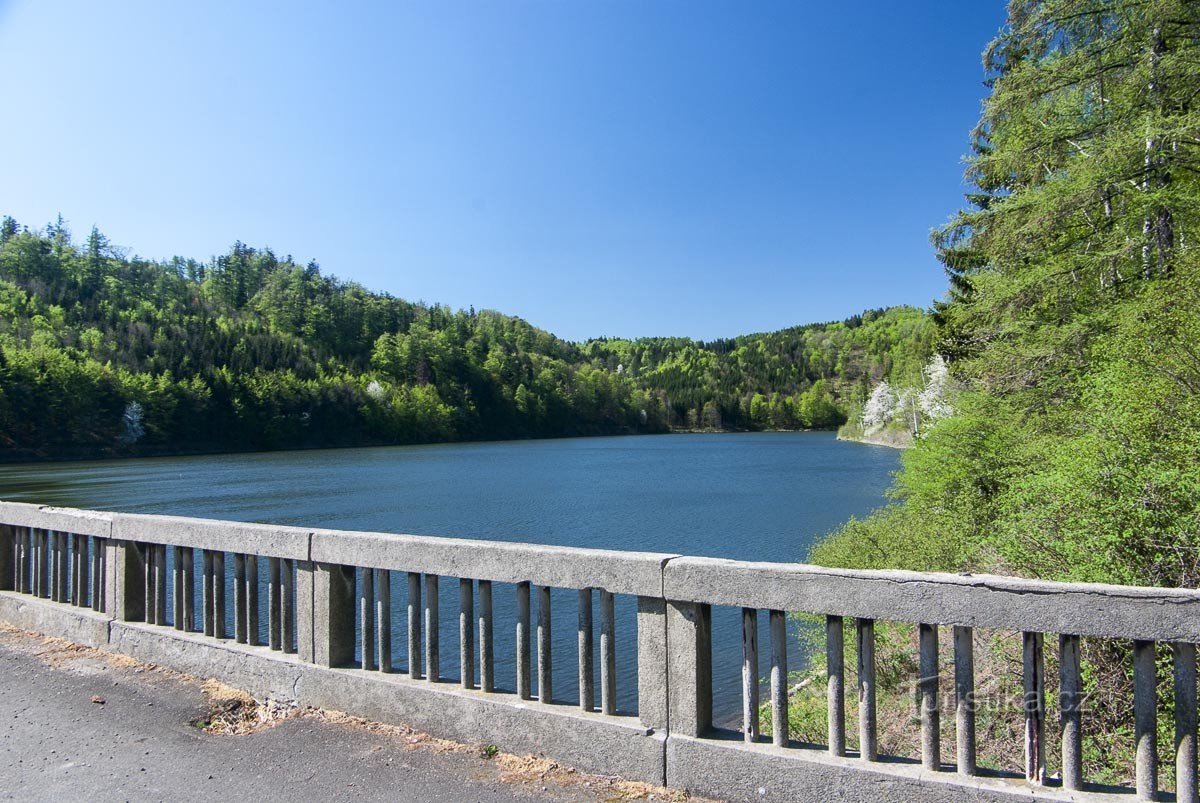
(599, 168)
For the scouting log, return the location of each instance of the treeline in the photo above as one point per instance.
(799, 378)
(106, 354)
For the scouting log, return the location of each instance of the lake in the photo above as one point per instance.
(750, 496)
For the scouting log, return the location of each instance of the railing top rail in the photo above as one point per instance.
(66, 519)
(975, 600)
(637, 573)
(273, 540)
(978, 600)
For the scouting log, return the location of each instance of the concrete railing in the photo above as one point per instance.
(133, 583)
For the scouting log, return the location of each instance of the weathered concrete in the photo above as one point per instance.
(64, 519)
(592, 742)
(227, 536)
(637, 573)
(689, 668)
(732, 770)
(257, 670)
(332, 614)
(74, 624)
(124, 589)
(1005, 603)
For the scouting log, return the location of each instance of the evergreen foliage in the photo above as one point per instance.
(1074, 316)
(104, 354)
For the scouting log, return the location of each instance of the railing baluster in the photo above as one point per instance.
(79, 571)
(544, 654)
(40, 563)
(1145, 719)
(218, 594)
(466, 633)
(32, 586)
(150, 609)
(50, 553)
(931, 743)
(206, 594)
(414, 625)
(8, 558)
(187, 556)
(252, 600)
(835, 688)
(287, 605)
(750, 674)
(241, 604)
(40, 557)
(274, 605)
(587, 690)
(63, 567)
(366, 618)
(15, 546)
(1070, 706)
(779, 679)
(55, 565)
(523, 684)
(383, 619)
(48, 561)
(964, 700)
(1184, 660)
(433, 661)
(97, 561)
(160, 583)
(35, 561)
(487, 657)
(48, 564)
(608, 654)
(1034, 681)
(865, 633)
(21, 560)
(181, 592)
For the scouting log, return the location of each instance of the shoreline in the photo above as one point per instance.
(9, 461)
(891, 441)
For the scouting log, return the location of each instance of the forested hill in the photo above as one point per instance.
(103, 354)
(805, 376)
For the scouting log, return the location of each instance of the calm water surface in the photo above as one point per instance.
(760, 496)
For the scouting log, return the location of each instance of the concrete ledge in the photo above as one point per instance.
(734, 771)
(636, 573)
(80, 625)
(257, 670)
(1084, 609)
(590, 742)
(64, 519)
(268, 540)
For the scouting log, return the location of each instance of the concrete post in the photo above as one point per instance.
(689, 632)
(325, 613)
(653, 705)
(125, 580)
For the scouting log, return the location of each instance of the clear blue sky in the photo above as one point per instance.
(599, 168)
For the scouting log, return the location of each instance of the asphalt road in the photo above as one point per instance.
(57, 744)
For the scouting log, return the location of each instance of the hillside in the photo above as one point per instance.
(102, 354)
